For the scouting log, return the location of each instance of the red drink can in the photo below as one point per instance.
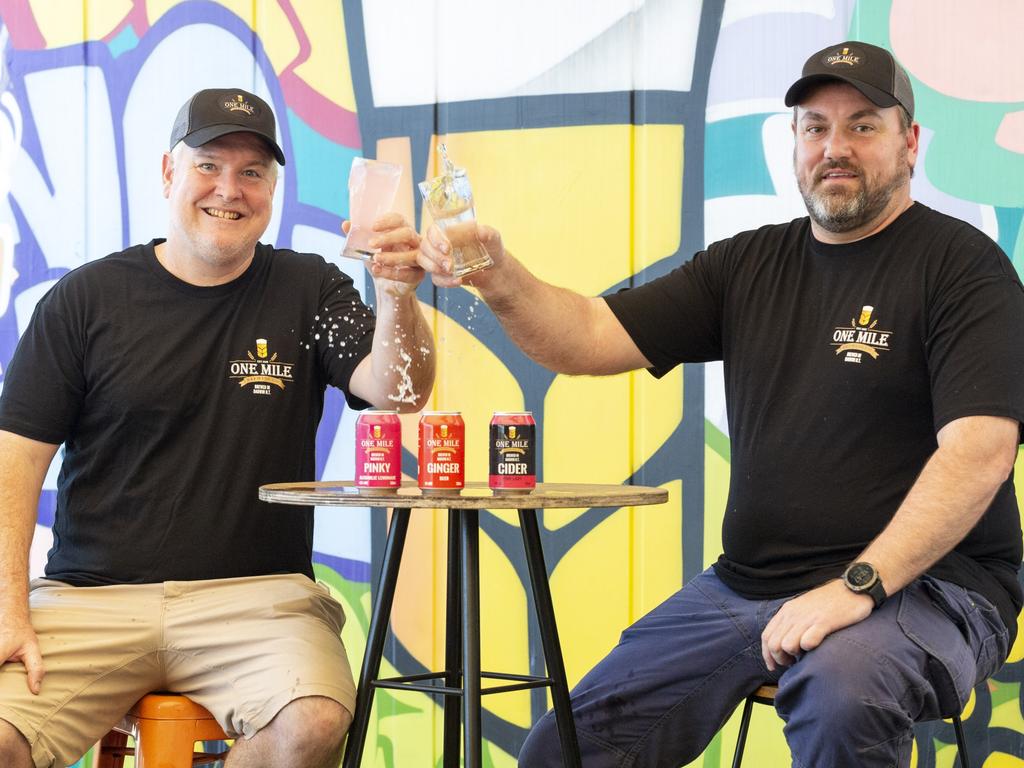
(513, 449)
(378, 452)
(442, 452)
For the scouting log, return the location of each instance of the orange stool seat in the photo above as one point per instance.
(165, 727)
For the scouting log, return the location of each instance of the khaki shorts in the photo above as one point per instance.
(242, 648)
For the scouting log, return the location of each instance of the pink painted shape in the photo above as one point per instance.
(21, 25)
(327, 118)
(1010, 134)
(967, 50)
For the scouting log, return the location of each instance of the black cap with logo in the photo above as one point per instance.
(215, 112)
(871, 70)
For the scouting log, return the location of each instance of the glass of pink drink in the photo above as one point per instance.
(372, 186)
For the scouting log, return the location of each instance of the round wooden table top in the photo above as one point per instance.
(474, 496)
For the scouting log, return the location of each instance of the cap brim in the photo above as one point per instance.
(875, 95)
(211, 132)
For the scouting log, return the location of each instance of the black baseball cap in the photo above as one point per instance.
(871, 70)
(216, 112)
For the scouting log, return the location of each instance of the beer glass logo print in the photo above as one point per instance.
(261, 371)
(861, 337)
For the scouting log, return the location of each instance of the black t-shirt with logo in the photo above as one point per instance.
(841, 364)
(175, 403)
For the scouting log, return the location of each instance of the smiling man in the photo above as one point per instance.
(874, 377)
(181, 375)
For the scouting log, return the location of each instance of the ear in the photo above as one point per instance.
(167, 173)
(913, 143)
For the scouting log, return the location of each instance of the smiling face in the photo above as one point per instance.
(853, 161)
(220, 204)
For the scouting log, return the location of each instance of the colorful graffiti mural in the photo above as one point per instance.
(608, 143)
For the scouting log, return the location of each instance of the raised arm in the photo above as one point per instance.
(558, 328)
(23, 465)
(399, 371)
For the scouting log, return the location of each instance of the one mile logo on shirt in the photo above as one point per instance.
(261, 371)
(861, 337)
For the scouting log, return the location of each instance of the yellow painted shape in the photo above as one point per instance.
(414, 617)
(562, 197)
(1002, 760)
(503, 630)
(1007, 715)
(590, 591)
(766, 745)
(64, 23)
(657, 410)
(327, 69)
(1017, 651)
(274, 29)
(657, 192)
(716, 493)
(657, 552)
(586, 434)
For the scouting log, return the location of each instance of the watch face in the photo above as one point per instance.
(860, 575)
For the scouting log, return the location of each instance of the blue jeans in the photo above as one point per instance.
(678, 673)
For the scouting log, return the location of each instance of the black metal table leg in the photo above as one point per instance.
(549, 638)
(375, 640)
(453, 642)
(470, 541)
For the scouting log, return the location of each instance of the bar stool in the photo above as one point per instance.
(766, 695)
(165, 727)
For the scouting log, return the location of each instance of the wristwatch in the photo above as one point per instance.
(862, 578)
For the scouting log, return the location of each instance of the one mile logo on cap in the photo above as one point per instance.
(842, 57)
(238, 104)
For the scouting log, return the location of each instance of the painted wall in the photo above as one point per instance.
(608, 140)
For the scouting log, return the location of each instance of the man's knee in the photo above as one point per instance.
(541, 747)
(14, 749)
(314, 725)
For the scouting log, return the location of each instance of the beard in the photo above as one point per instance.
(841, 210)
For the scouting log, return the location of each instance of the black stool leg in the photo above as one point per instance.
(741, 739)
(470, 541)
(375, 640)
(961, 742)
(549, 638)
(453, 642)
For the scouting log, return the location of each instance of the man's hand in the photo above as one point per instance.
(397, 263)
(436, 255)
(803, 622)
(18, 642)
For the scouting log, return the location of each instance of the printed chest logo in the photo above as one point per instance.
(861, 337)
(262, 371)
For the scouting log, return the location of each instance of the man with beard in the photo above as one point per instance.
(875, 385)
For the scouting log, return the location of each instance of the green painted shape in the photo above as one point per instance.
(717, 441)
(984, 173)
(734, 161)
(713, 753)
(1004, 692)
(354, 593)
(1017, 254)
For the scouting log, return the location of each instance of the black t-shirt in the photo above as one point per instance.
(175, 403)
(841, 364)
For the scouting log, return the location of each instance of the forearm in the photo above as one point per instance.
(21, 477)
(556, 327)
(953, 491)
(402, 355)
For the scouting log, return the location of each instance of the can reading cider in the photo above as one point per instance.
(378, 452)
(442, 452)
(513, 451)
